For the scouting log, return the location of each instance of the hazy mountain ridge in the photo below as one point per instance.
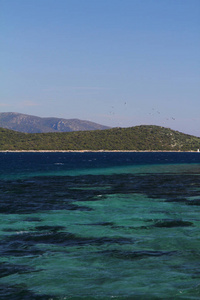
(138, 138)
(33, 124)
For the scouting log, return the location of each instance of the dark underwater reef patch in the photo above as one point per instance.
(15, 247)
(20, 292)
(176, 199)
(20, 207)
(32, 219)
(193, 202)
(62, 192)
(166, 186)
(170, 223)
(49, 228)
(162, 186)
(49, 193)
(7, 269)
(132, 255)
(99, 224)
(185, 201)
(25, 244)
(162, 223)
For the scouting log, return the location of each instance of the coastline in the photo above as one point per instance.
(86, 151)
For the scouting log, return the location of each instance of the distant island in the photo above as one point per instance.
(138, 138)
(33, 124)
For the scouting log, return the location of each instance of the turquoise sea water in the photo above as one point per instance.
(99, 226)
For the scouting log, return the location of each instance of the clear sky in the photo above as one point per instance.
(119, 63)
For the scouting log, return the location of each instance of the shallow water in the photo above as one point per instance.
(99, 226)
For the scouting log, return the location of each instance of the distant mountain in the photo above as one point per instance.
(32, 124)
(138, 138)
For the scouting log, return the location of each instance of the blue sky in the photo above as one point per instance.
(119, 63)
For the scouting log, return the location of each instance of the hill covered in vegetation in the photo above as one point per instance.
(139, 138)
